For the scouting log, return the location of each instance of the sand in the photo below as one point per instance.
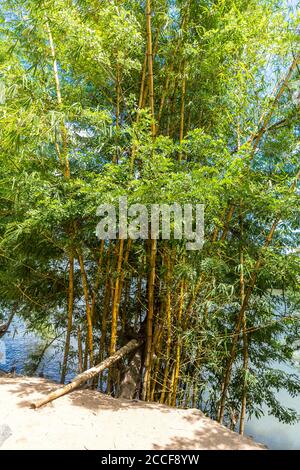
(86, 419)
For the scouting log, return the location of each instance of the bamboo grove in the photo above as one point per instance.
(162, 101)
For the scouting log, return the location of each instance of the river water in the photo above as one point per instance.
(17, 346)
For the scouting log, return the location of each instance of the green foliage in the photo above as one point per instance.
(231, 53)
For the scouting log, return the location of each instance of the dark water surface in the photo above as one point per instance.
(19, 344)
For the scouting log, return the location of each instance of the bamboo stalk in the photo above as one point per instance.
(192, 300)
(182, 108)
(245, 339)
(86, 353)
(122, 276)
(70, 318)
(107, 297)
(227, 222)
(115, 311)
(150, 66)
(245, 369)
(157, 365)
(169, 74)
(163, 98)
(118, 101)
(178, 346)
(150, 314)
(172, 102)
(168, 320)
(87, 308)
(106, 302)
(64, 156)
(142, 87)
(97, 280)
(79, 343)
(116, 300)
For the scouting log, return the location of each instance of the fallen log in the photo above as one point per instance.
(88, 374)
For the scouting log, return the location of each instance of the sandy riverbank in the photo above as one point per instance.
(86, 419)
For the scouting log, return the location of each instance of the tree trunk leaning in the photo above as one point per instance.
(88, 374)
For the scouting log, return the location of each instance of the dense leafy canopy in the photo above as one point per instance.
(82, 125)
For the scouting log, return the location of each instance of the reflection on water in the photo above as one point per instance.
(19, 344)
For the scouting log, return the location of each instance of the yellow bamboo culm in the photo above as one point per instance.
(106, 302)
(157, 366)
(156, 351)
(168, 321)
(150, 67)
(245, 340)
(79, 354)
(70, 318)
(150, 314)
(115, 310)
(178, 346)
(182, 109)
(116, 300)
(97, 280)
(87, 308)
